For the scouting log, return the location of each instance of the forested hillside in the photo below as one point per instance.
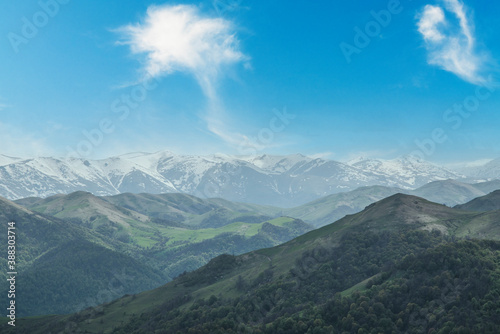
(400, 266)
(79, 250)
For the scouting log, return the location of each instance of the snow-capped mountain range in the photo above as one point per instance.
(274, 180)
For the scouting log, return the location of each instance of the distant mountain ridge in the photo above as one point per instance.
(284, 181)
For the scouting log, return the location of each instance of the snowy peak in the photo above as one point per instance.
(276, 164)
(6, 160)
(264, 179)
(408, 170)
(483, 169)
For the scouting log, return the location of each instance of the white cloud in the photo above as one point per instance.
(180, 39)
(452, 46)
(431, 18)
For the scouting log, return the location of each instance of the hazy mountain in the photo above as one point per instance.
(490, 202)
(407, 172)
(449, 192)
(331, 208)
(376, 260)
(487, 186)
(484, 170)
(283, 181)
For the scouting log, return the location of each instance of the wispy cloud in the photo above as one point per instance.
(180, 39)
(450, 42)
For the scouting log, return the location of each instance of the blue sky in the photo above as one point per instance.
(102, 78)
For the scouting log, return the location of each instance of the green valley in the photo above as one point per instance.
(77, 244)
(398, 266)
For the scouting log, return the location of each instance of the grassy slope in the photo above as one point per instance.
(387, 214)
(182, 207)
(44, 234)
(334, 207)
(116, 216)
(490, 202)
(396, 212)
(40, 242)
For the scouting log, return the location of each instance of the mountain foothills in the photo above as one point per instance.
(402, 265)
(333, 207)
(284, 181)
(83, 260)
(156, 237)
(79, 250)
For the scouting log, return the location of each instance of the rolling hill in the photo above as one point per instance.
(68, 234)
(374, 260)
(490, 202)
(47, 251)
(334, 207)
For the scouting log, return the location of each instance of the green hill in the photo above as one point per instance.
(173, 233)
(94, 213)
(64, 231)
(79, 274)
(334, 207)
(395, 267)
(490, 202)
(54, 256)
(191, 210)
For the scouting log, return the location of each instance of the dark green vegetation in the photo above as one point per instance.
(78, 274)
(79, 250)
(64, 265)
(403, 265)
